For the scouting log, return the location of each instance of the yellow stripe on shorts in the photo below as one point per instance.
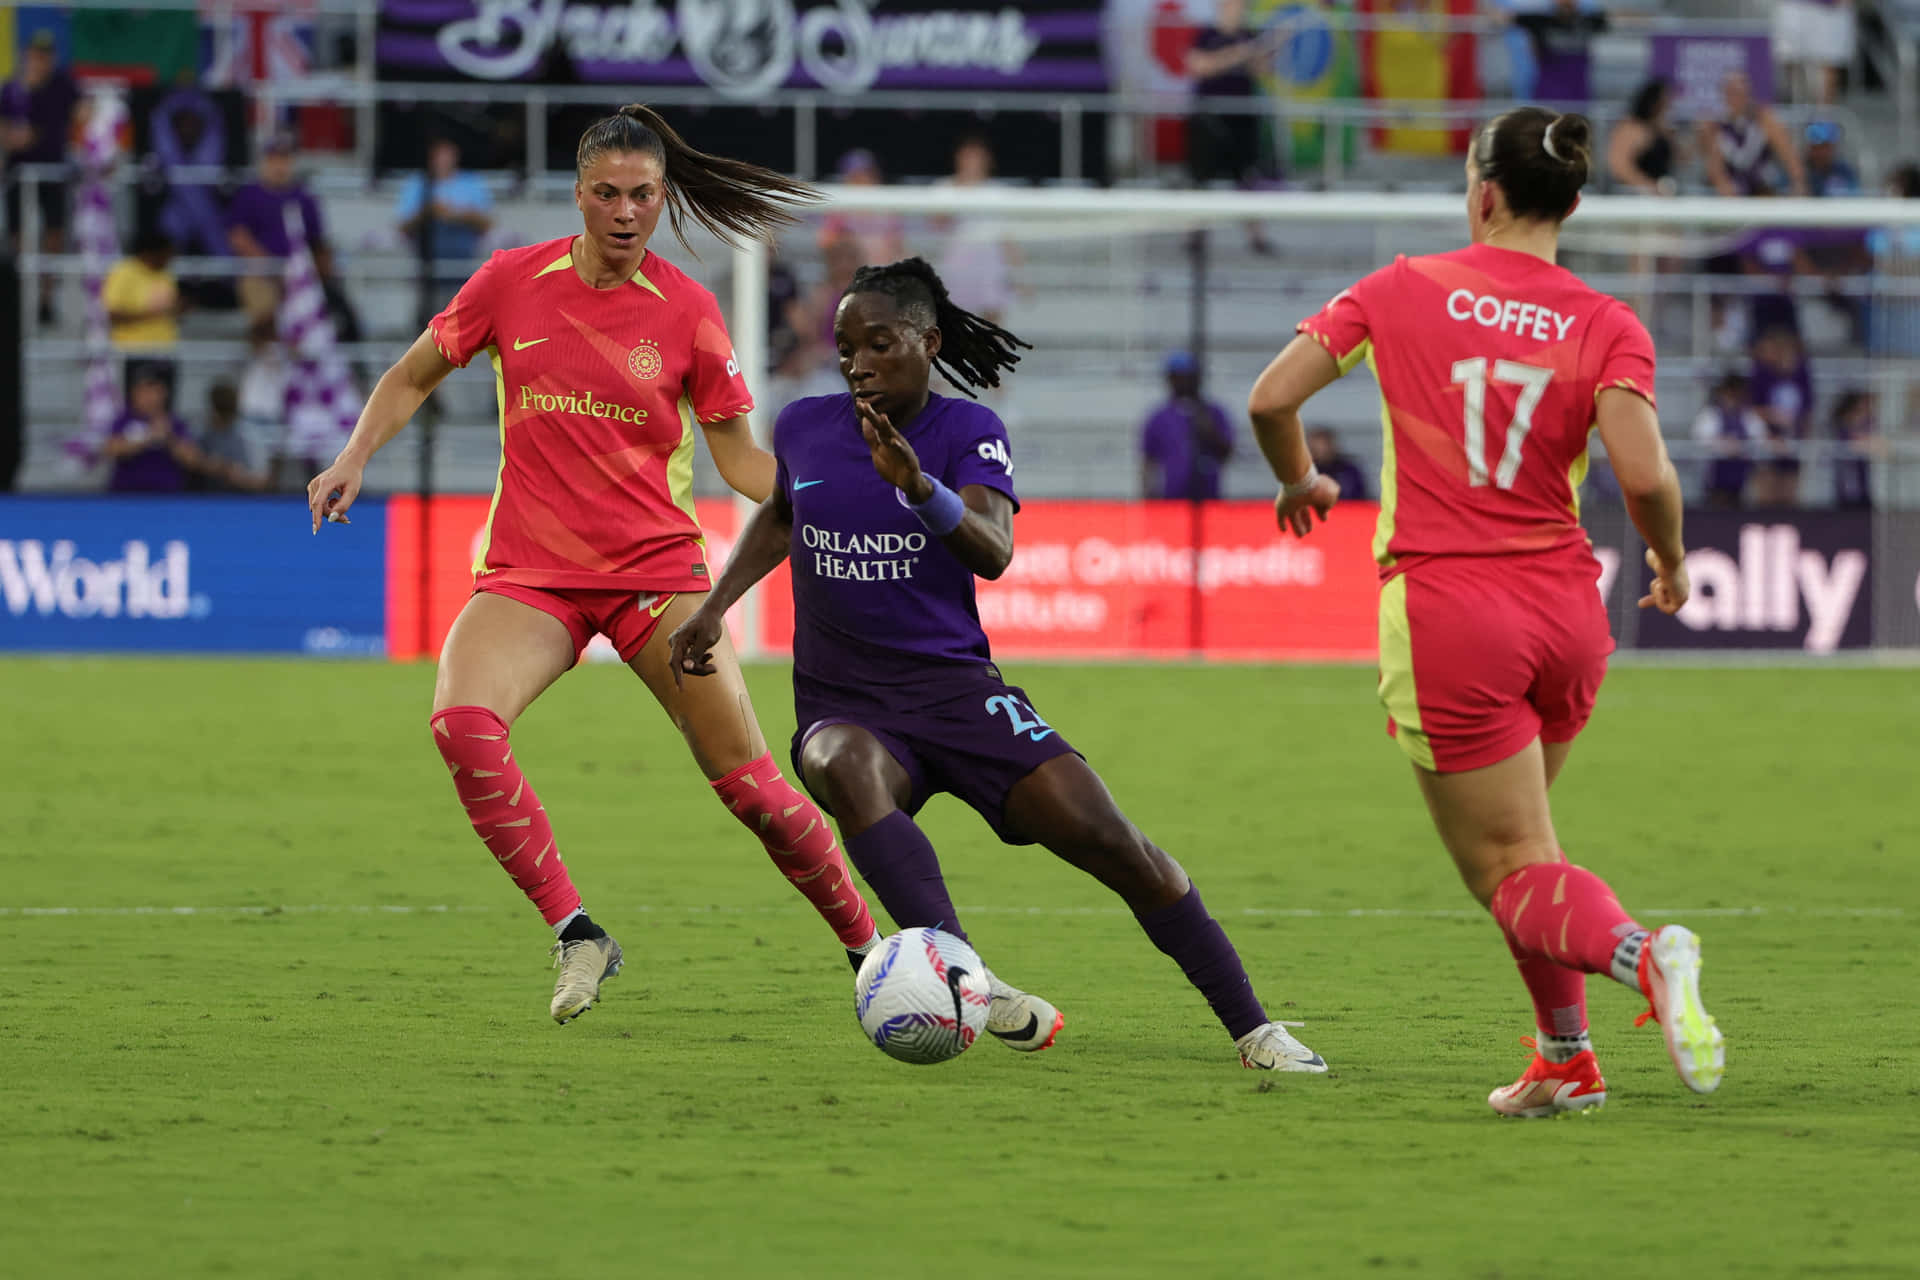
(1397, 693)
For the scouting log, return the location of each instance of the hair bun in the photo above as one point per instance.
(1568, 139)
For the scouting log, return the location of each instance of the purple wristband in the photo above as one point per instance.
(942, 512)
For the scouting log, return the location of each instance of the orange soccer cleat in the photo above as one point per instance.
(1551, 1088)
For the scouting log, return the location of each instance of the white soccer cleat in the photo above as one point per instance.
(1021, 1020)
(1670, 980)
(1269, 1047)
(584, 965)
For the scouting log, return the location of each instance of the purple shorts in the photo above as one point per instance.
(970, 735)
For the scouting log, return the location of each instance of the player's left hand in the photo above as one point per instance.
(893, 457)
(1296, 513)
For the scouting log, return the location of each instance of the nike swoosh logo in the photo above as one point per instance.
(654, 605)
(522, 344)
(806, 484)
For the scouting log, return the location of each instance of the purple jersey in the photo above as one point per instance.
(877, 599)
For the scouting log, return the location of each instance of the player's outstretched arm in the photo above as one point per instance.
(396, 397)
(748, 469)
(762, 545)
(1630, 429)
(1301, 369)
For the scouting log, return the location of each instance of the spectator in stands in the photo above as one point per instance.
(1827, 173)
(36, 120)
(1780, 390)
(1644, 151)
(1733, 432)
(257, 226)
(1186, 441)
(143, 299)
(1563, 37)
(880, 237)
(226, 457)
(1747, 149)
(149, 447)
(187, 128)
(1222, 62)
(979, 261)
(1325, 448)
(263, 388)
(444, 212)
(1856, 444)
(1893, 327)
(1813, 40)
(813, 366)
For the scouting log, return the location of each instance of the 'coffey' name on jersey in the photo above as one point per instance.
(863, 557)
(1507, 315)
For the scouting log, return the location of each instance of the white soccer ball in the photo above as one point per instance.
(922, 996)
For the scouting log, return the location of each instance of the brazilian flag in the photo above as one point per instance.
(1315, 61)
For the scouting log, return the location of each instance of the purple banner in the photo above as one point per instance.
(1695, 65)
(1769, 580)
(743, 50)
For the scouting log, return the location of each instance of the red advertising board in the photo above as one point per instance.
(1090, 579)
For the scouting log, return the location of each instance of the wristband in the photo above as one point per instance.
(1304, 485)
(942, 512)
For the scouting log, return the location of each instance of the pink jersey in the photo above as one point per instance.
(1489, 364)
(599, 390)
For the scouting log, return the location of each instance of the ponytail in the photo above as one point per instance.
(1538, 158)
(728, 197)
(974, 351)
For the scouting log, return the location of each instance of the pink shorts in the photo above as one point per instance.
(1480, 656)
(626, 617)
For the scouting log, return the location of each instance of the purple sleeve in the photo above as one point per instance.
(1153, 437)
(12, 101)
(981, 456)
(1226, 427)
(310, 210)
(240, 209)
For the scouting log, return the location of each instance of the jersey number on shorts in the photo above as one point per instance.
(1532, 381)
(1025, 719)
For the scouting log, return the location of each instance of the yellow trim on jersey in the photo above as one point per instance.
(680, 465)
(564, 260)
(1389, 480)
(1364, 351)
(1397, 692)
(1576, 476)
(499, 478)
(639, 278)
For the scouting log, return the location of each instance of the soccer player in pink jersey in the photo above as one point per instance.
(605, 355)
(1494, 364)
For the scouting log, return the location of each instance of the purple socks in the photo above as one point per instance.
(897, 861)
(1199, 946)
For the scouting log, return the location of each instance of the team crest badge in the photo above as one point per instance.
(644, 360)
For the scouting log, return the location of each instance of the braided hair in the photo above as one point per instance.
(974, 351)
(728, 197)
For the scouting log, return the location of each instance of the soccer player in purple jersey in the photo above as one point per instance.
(891, 499)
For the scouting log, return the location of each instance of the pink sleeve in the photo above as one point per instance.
(715, 385)
(1629, 360)
(1341, 326)
(465, 328)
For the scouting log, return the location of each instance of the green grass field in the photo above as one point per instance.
(340, 1063)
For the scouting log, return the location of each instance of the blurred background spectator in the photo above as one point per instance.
(979, 259)
(445, 213)
(36, 119)
(226, 457)
(143, 304)
(1828, 173)
(1856, 443)
(1221, 62)
(1186, 440)
(1746, 148)
(1733, 434)
(1893, 326)
(1780, 390)
(1814, 42)
(1643, 151)
(877, 237)
(150, 449)
(1324, 445)
(1562, 36)
(257, 225)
